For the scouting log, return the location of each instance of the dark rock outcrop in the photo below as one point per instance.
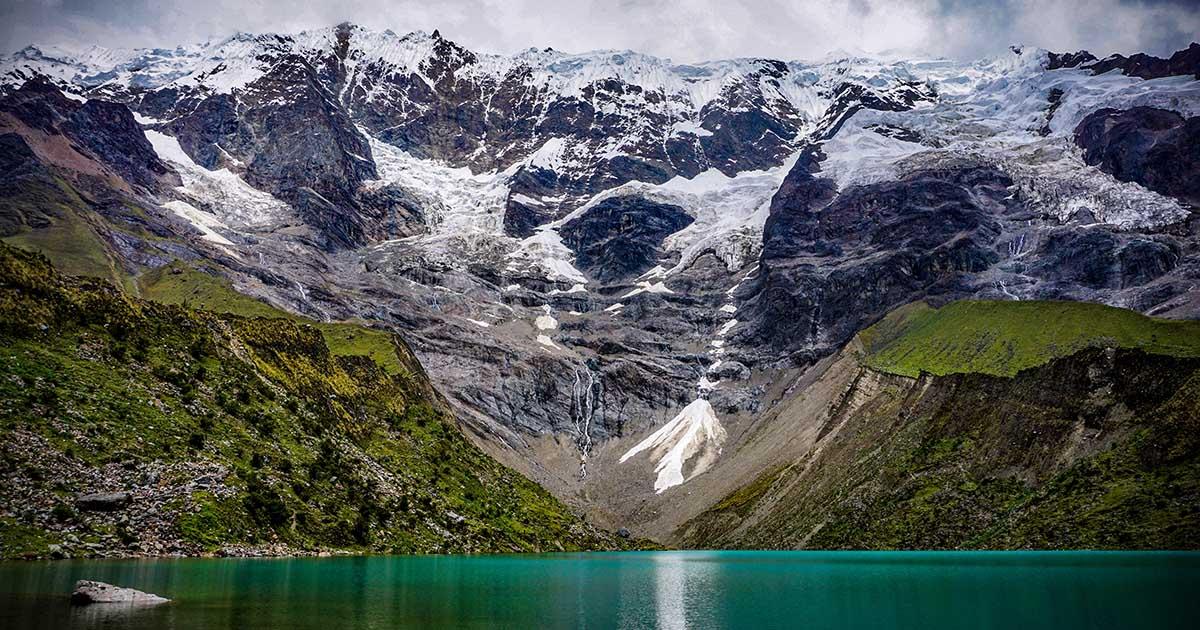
(1182, 62)
(831, 263)
(287, 135)
(1058, 61)
(109, 132)
(1156, 148)
(100, 130)
(620, 237)
(103, 501)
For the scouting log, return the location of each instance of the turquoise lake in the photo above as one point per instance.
(926, 590)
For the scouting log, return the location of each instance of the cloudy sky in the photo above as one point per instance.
(685, 30)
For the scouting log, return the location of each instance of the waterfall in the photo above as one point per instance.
(583, 408)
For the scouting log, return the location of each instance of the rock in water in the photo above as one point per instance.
(91, 592)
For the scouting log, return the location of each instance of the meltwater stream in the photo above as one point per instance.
(927, 590)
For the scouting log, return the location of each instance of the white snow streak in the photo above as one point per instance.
(694, 433)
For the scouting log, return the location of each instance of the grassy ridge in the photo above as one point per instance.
(63, 234)
(180, 284)
(1003, 338)
(304, 446)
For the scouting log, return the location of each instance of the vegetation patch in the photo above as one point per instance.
(1003, 338)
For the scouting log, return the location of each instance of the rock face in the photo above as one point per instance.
(91, 592)
(104, 131)
(1156, 148)
(831, 264)
(1183, 62)
(621, 237)
(288, 137)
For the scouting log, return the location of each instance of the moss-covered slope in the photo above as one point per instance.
(233, 433)
(1094, 444)
(1003, 338)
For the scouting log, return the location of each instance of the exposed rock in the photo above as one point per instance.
(619, 238)
(103, 502)
(1068, 60)
(301, 147)
(1182, 62)
(831, 264)
(1156, 148)
(104, 131)
(734, 370)
(91, 592)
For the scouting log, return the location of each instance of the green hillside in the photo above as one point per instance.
(1003, 338)
(180, 284)
(1046, 425)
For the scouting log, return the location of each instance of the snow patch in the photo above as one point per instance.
(202, 221)
(647, 287)
(231, 199)
(688, 126)
(526, 200)
(546, 252)
(545, 322)
(695, 433)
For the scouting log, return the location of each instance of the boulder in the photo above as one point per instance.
(729, 370)
(102, 501)
(92, 592)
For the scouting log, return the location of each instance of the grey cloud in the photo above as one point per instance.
(686, 30)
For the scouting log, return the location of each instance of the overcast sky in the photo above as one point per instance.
(685, 30)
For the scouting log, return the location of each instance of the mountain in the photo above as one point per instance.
(613, 266)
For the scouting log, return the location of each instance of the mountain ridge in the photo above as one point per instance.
(577, 267)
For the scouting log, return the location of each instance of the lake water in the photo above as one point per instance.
(1025, 590)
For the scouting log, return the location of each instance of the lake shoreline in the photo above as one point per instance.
(284, 552)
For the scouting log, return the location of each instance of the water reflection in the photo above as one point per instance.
(670, 582)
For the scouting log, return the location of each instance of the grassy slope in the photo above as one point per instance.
(1003, 338)
(64, 237)
(1088, 450)
(180, 284)
(320, 450)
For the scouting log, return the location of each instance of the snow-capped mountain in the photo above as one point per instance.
(570, 125)
(612, 263)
